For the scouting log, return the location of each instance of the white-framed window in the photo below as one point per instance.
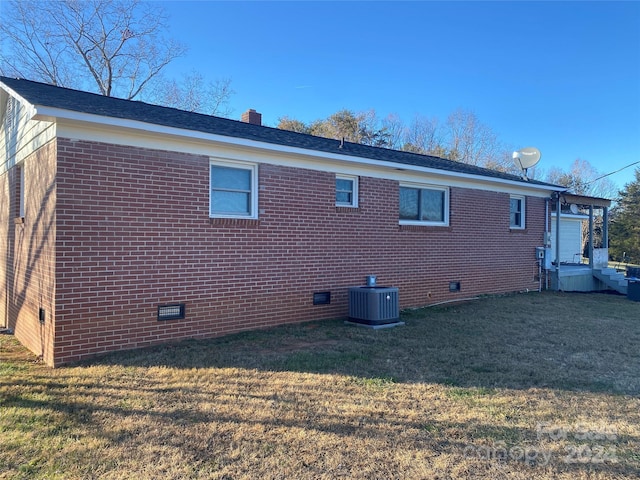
(346, 191)
(233, 189)
(424, 205)
(516, 211)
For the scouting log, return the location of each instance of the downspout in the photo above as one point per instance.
(591, 236)
(546, 222)
(558, 208)
(546, 241)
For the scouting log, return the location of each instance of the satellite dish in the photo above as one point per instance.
(573, 208)
(526, 158)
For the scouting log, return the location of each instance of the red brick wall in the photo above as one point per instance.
(134, 232)
(27, 280)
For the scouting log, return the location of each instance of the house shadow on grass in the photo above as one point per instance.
(449, 384)
(557, 341)
(127, 422)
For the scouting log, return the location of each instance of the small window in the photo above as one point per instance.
(516, 210)
(233, 190)
(346, 191)
(424, 205)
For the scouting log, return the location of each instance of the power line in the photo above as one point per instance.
(619, 170)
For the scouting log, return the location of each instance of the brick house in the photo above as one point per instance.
(126, 224)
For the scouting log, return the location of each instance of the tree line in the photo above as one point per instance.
(624, 227)
(463, 137)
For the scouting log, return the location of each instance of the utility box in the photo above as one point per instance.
(633, 290)
(374, 305)
(543, 254)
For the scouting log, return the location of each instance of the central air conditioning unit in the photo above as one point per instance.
(374, 305)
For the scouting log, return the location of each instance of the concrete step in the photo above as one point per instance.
(613, 279)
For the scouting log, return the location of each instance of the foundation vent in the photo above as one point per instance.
(171, 312)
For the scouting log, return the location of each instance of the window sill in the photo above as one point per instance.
(414, 227)
(234, 221)
(347, 209)
(415, 223)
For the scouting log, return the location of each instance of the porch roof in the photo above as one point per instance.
(584, 200)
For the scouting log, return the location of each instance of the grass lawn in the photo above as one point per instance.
(523, 386)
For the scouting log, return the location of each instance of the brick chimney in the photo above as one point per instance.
(252, 117)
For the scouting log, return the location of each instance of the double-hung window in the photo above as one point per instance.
(424, 205)
(233, 190)
(346, 191)
(516, 212)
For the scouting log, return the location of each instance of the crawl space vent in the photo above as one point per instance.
(171, 312)
(322, 298)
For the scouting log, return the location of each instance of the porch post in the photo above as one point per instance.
(605, 229)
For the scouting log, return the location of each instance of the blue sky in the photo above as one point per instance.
(561, 76)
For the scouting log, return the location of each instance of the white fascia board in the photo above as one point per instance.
(73, 124)
(4, 97)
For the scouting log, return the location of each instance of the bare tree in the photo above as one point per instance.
(112, 47)
(370, 130)
(422, 136)
(394, 126)
(469, 140)
(194, 94)
(582, 179)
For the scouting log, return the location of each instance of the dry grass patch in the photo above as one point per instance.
(524, 386)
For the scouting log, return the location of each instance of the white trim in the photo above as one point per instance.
(33, 110)
(135, 127)
(20, 136)
(122, 131)
(261, 152)
(49, 113)
(253, 206)
(523, 209)
(354, 192)
(422, 186)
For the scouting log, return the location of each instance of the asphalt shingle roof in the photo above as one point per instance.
(41, 94)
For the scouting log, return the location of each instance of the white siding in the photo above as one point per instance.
(20, 136)
(570, 237)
